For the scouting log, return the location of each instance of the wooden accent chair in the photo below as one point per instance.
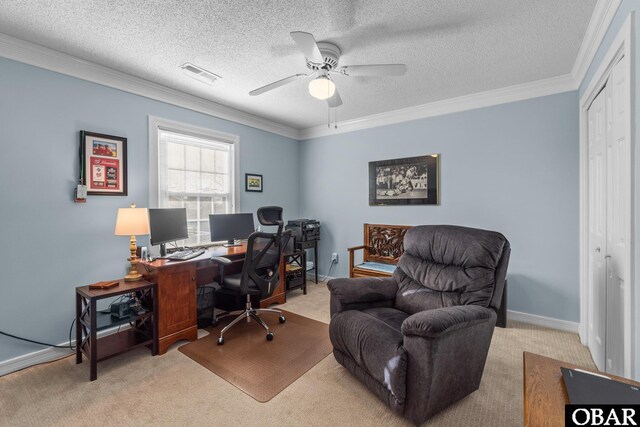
(383, 246)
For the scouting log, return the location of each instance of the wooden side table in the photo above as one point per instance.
(309, 244)
(89, 321)
(295, 270)
(544, 392)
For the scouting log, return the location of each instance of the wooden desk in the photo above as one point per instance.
(544, 391)
(176, 286)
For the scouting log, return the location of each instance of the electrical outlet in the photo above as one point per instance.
(334, 257)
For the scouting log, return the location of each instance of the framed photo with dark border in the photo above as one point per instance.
(408, 181)
(253, 182)
(104, 164)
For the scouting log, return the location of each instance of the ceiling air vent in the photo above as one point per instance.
(199, 73)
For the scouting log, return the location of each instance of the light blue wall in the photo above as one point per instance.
(626, 7)
(50, 245)
(511, 168)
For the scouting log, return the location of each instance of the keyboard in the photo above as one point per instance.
(185, 254)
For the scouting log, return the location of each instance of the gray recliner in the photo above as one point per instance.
(419, 340)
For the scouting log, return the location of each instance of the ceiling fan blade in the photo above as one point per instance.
(335, 100)
(307, 44)
(373, 70)
(274, 85)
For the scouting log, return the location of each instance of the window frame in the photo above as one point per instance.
(157, 123)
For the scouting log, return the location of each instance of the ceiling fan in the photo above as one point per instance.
(322, 59)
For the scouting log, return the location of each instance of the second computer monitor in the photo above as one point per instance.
(230, 227)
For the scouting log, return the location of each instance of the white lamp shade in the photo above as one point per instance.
(132, 222)
(322, 88)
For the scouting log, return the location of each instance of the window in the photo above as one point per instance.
(195, 170)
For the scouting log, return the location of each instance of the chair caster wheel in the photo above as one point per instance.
(270, 336)
(215, 323)
(220, 340)
(282, 319)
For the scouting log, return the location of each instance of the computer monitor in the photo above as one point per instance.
(230, 227)
(167, 225)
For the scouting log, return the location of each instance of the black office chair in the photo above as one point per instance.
(270, 215)
(261, 270)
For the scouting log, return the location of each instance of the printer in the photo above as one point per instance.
(304, 230)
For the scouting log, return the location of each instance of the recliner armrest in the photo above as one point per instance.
(440, 321)
(361, 293)
(363, 289)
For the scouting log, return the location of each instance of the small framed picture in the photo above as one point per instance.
(104, 164)
(253, 182)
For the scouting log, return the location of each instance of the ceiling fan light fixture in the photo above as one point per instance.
(322, 88)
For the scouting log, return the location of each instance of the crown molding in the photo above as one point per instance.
(53, 60)
(489, 98)
(600, 21)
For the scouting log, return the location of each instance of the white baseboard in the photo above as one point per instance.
(321, 277)
(547, 322)
(46, 355)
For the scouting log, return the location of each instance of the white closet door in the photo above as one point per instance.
(597, 228)
(618, 211)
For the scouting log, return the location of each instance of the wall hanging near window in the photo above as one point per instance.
(103, 164)
(253, 182)
(408, 181)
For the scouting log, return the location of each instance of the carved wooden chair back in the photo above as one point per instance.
(384, 243)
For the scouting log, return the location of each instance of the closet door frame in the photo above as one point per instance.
(621, 47)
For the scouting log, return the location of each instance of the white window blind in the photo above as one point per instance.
(196, 173)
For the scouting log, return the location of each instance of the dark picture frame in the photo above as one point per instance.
(103, 161)
(406, 181)
(253, 182)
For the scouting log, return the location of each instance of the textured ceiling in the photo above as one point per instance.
(451, 48)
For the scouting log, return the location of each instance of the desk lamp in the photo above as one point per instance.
(132, 222)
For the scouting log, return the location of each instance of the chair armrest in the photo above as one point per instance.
(448, 349)
(361, 292)
(352, 256)
(440, 321)
(221, 260)
(363, 289)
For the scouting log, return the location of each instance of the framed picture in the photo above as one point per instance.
(253, 182)
(104, 164)
(408, 181)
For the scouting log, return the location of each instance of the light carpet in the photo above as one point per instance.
(135, 389)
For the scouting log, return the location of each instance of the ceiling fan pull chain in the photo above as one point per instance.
(336, 119)
(328, 116)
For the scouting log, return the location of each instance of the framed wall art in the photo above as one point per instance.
(253, 182)
(408, 181)
(104, 164)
